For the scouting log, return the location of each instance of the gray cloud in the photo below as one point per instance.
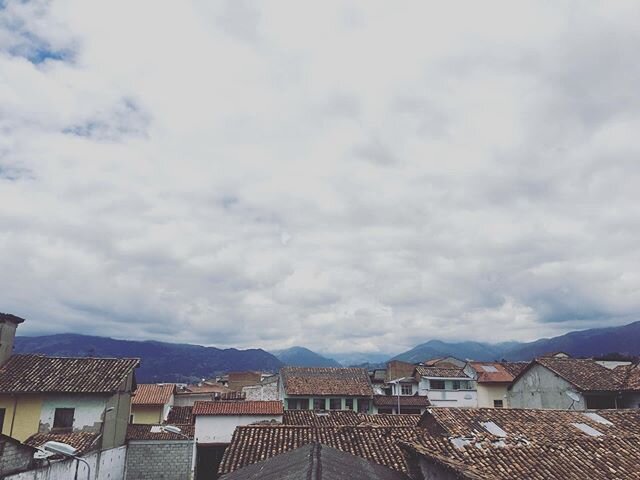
(347, 178)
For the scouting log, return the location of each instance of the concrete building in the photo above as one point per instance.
(447, 387)
(188, 395)
(267, 389)
(579, 384)
(492, 381)
(151, 403)
(326, 388)
(41, 394)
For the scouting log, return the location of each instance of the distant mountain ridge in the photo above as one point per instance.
(303, 357)
(161, 362)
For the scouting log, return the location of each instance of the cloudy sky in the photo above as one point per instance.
(348, 176)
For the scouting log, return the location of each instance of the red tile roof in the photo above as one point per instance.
(326, 381)
(486, 373)
(154, 432)
(39, 374)
(204, 388)
(7, 317)
(83, 442)
(180, 416)
(405, 401)
(153, 394)
(441, 372)
(239, 408)
(341, 418)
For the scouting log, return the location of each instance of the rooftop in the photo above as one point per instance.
(155, 432)
(326, 381)
(39, 374)
(441, 372)
(341, 418)
(7, 317)
(416, 401)
(316, 461)
(153, 394)
(180, 415)
(273, 407)
(83, 442)
(492, 372)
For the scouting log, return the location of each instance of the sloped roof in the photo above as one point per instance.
(204, 388)
(36, 373)
(83, 442)
(180, 415)
(7, 317)
(420, 401)
(273, 407)
(153, 394)
(340, 418)
(440, 372)
(254, 443)
(514, 368)
(492, 372)
(316, 461)
(326, 381)
(584, 374)
(139, 431)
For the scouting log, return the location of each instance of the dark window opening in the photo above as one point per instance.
(385, 410)
(598, 403)
(335, 404)
(2, 413)
(348, 404)
(498, 404)
(406, 389)
(63, 418)
(437, 384)
(318, 404)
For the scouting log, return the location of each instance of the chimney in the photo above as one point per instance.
(8, 325)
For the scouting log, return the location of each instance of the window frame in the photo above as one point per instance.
(433, 383)
(319, 401)
(404, 387)
(61, 415)
(332, 404)
(498, 406)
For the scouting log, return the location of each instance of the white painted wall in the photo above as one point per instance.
(488, 392)
(395, 387)
(88, 410)
(453, 398)
(105, 465)
(220, 428)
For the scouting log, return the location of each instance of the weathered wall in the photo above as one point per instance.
(88, 410)
(541, 388)
(105, 465)
(14, 456)
(268, 391)
(220, 428)
(487, 393)
(116, 420)
(160, 460)
(27, 415)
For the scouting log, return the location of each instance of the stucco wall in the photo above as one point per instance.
(88, 410)
(541, 388)
(159, 460)
(27, 415)
(220, 428)
(14, 456)
(268, 391)
(487, 393)
(147, 414)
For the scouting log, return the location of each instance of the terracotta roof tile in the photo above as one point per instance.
(204, 388)
(491, 372)
(153, 394)
(239, 408)
(83, 442)
(326, 381)
(254, 443)
(36, 373)
(7, 317)
(311, 418)
(514, 368)
(440, 372)
(585, 374)
(140, 431)
(180, 416)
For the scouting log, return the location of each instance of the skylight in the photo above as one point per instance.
(489, 368)
(597, 418)
(493, 429)
(587, 429)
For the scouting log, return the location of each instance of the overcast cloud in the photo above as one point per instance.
(348, 176)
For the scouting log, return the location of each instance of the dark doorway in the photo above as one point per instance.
(208, 460)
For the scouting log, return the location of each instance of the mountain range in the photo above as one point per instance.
(173, 362)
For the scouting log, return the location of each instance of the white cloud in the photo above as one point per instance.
(347, 176)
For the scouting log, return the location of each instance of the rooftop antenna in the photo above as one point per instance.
(574, 398)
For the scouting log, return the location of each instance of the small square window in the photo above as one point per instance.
(498, 404)
(63, 418)
(318, 404)
(406, 389)
(456, 384)
(436, 384)
(348, 403)
(335, 404)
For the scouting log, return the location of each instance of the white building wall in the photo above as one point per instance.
(220, 428)
(105, 465)
(89, 410)
(487, 393)
(453, 398)
(539, 387)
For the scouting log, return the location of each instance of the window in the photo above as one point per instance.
(131, 418)
(406, 389)
(2, 412)
(318, 404)
(63, 418)
(456, 384)
(348, 403)
(335, 404)
(297, 403)
(436, 384)
(498, 404)
(363, 406)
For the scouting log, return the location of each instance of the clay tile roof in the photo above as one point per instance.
(83, 442)
(154, 432)
(514, 368)
(326, 381)
(153, 394)
(7, 317)
(35, 373)
(273, 407)
(342, 418)
(254, 443)
(405, 401)
(180, 416)
(439, 372)
(204, 388)
(492, 372)
(316, 461)
(585, 374)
